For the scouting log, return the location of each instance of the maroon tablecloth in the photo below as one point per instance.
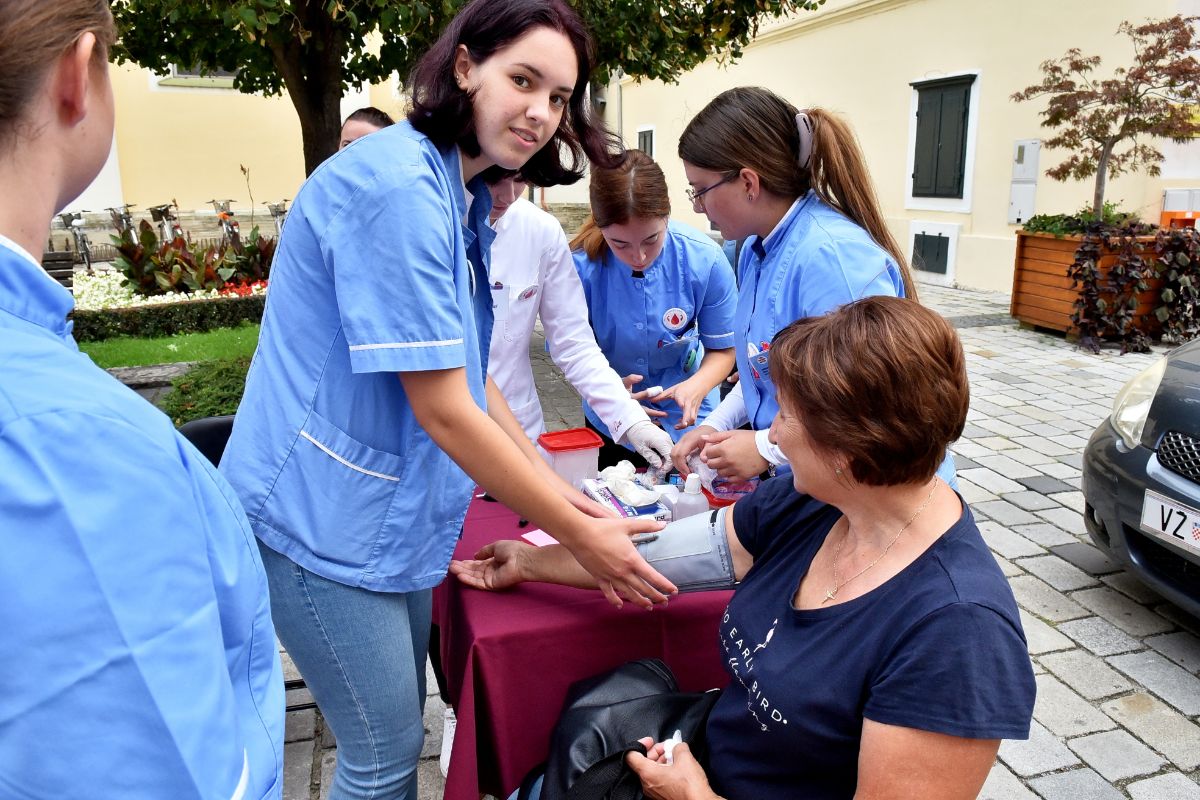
(511, 656)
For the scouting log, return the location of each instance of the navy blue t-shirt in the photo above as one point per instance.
(939, 647)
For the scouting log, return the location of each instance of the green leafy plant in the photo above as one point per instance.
(155, 268)
(258, 252)
(1076, 224)
(316, 51)
(209, 389)
(134, 258)
(1177, 264)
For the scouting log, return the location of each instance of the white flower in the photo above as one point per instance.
(104, 290)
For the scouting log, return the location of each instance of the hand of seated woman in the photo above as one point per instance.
(733, 454)
(496, 566)
(684, 779)
(688, 448)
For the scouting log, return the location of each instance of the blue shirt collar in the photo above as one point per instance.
(762, 246)
(28, 292)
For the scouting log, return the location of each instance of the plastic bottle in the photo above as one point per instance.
(690, 501)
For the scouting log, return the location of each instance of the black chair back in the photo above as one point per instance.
(209, 435)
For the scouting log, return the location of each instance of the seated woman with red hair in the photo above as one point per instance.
(873, 645)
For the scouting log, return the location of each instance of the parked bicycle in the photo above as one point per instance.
(83, 247)
(278, 214)
(230, 230)
(122, 219)
(169, 228)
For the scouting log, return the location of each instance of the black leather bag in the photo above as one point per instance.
(602, 719)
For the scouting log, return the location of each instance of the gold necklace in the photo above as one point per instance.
(832, 592)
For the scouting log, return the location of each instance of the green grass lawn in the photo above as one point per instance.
(128, 351)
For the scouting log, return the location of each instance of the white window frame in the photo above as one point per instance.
(947, 229)
(175, 80)
(654, 137)
(954, 205)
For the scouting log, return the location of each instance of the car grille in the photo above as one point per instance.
(1180, 453)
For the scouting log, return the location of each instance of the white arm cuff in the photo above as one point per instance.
(768, 449)
(731, 414)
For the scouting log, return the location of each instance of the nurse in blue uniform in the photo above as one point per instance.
(140, 660)
(660, 295)
(795, 185)
(367, 417)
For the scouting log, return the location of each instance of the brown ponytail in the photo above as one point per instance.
(634, 189)
(589, 239)
(754, 128)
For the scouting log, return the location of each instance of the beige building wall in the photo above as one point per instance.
(188, 144)
(858, 57)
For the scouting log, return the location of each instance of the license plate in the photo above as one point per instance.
(1170, 520)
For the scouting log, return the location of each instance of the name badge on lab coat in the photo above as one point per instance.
(500, 303)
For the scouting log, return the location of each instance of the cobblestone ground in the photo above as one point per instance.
(1118, 668)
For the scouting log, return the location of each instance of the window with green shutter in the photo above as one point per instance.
(646, 142)
(939, 162)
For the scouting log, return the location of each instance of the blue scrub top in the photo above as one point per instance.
(658, 325)
(382, 269)
(815, 260)
(140, 656)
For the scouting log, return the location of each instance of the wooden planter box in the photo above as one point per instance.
(1042, 294)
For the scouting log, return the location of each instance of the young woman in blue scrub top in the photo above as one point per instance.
(796, 183)
(362, 430)
(140, 660)
(660, 296)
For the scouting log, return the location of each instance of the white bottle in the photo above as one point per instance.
(691, 501)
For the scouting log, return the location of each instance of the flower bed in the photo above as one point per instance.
(104, 291)
(104, 308)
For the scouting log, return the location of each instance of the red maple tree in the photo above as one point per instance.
(1109, 124)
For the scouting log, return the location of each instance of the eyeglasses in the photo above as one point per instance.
(697, 197)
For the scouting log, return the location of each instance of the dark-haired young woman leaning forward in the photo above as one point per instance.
(873, 646)
(363, 427)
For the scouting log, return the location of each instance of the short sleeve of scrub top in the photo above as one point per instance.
(409, 321)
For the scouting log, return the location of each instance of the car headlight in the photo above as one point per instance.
(1132, 404)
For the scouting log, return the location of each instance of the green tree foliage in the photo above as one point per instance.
(1109, 124)
(316, 49)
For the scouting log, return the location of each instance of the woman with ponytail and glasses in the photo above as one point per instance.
(660, 296)
(796, 184)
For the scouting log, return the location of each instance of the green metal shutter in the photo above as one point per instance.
(939, 162)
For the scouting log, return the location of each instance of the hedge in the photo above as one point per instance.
(189, 316)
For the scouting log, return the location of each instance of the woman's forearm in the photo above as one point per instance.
(713, 368)
(555, 564)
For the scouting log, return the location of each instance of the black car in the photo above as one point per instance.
(1141, 478)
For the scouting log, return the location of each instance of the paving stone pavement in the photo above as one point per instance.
(1118, 711)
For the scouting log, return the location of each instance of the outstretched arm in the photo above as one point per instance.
(444, 408)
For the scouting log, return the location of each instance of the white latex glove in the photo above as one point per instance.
(651, 443)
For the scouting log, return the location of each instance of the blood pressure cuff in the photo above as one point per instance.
(693, 553)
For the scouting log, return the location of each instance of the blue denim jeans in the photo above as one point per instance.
(362, 654)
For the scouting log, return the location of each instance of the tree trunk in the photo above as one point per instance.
(312, 73)
(1102, 179)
